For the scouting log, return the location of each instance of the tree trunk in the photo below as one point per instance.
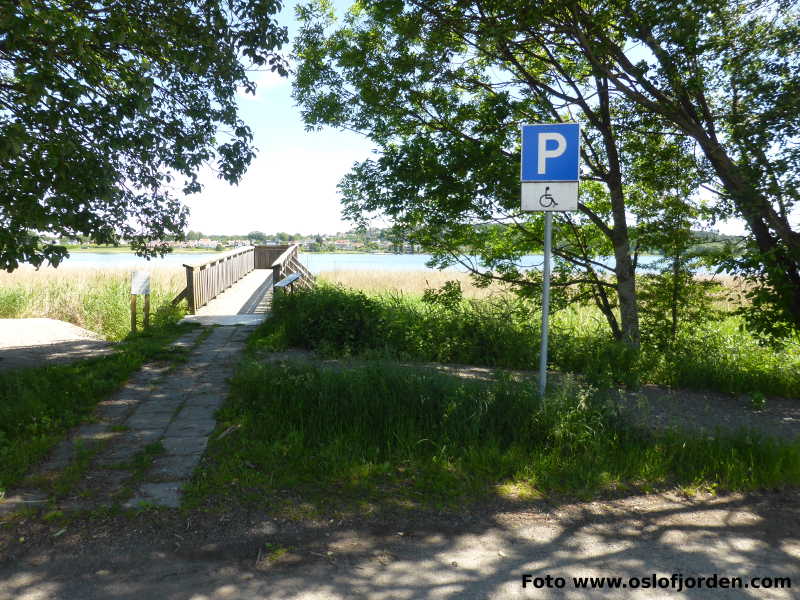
(781, 249)
(676, 272)
(624, 269)
(626, 293)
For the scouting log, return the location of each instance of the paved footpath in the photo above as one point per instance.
(171, 406)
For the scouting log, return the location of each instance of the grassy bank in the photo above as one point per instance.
(96, 299)
(304, 437)
(503, 332)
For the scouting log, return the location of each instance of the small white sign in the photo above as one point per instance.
(549, 195)
(140, 283)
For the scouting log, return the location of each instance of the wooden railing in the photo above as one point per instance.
(289, 262)
(266, 255)
(205, 281)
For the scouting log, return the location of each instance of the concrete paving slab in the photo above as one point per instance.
(208, 401)
(192, 412)
(113, 413)
(182, 446)
(149, 372)
(119, 453)
(224, 320)
(113, 480)
(186, 427)
(216, 387)
(146, 436)
(173, 467)
(175, 391)
(93, 432)
(173, 406)
(161, 494)
(147, 421)
(153, 407)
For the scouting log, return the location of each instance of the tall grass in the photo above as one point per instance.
(390, 432)
(494, 332)
(504, 332)
(95, 299)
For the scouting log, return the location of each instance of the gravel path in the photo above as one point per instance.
(34, 342)
(224, 554)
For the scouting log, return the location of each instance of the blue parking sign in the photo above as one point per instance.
(550, 152)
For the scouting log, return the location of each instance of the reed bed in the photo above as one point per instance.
(95, 299)
(408, 282)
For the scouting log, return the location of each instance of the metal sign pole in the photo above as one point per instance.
(550, 172)
(548, 242)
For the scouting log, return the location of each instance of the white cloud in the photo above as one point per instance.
(291, 189)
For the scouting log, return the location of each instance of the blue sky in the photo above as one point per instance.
(291, 184)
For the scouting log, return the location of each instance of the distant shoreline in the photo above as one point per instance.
(128, 250)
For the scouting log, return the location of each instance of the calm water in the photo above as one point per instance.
(315, 262)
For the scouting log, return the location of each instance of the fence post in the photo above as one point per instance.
(146, 322)
(190, 288)
(133, 313)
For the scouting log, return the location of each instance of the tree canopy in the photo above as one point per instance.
(105, 106)
(671, 99)
(443, 99)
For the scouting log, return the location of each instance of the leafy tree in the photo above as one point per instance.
(257, 237)
(441, 88)
(104, 104)
(726, 73)
(673, 295)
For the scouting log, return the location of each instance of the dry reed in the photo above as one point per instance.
(407, 282)
(96, 299)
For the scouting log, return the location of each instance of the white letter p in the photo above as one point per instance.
(544, 153)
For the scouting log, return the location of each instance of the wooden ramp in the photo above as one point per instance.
(236, 287)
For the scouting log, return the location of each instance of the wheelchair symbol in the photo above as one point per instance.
(546, 200)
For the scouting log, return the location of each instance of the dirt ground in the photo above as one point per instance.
(32, 342)
(482, 552)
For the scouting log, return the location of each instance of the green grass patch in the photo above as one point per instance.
(384, 434)
(504, 332)
(38, 405)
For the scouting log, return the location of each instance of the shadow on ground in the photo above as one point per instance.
(479, 554)
(23, 357)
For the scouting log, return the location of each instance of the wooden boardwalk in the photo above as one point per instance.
(236, 287)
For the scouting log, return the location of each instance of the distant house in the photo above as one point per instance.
(343, 244)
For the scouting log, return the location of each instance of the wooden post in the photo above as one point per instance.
(146, 322)
(140, 286)
(133, 313)
(190, 288)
